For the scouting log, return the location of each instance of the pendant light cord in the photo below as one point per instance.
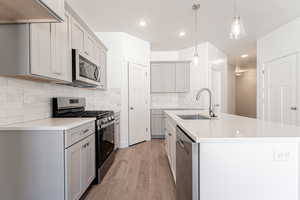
(235, 8)
(196, 8)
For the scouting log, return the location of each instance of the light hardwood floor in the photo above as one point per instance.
(140, 172)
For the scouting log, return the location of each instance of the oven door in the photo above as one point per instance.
(105, 143)
(85, 71)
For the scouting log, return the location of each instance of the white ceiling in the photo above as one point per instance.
(167, 17)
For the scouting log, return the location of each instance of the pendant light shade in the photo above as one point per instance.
(237, 30)
(195, 8)
(196, 58)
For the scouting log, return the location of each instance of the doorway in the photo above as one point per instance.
(280, 92)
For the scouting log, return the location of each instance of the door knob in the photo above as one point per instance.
(294, 108)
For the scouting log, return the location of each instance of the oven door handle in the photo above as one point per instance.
(108, 124)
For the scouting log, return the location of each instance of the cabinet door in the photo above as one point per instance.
(74, 171)
(173, 151)
(182, 77)
(88, 162)
(103, 67)
(77, 36)
(162, 77)
(40, 38)
(156, 126)
(57, 6)
(89, 45)
(97, 53)
(61, 50)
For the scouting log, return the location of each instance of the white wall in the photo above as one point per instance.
(164, 55)
(281, 42)
(22, 100)
(199, 74)
(125, 49)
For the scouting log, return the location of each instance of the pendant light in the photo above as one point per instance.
(195, 8)
(237, 26)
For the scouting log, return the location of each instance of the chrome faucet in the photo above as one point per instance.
(211, 112)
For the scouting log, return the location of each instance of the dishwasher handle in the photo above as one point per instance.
(181, 143)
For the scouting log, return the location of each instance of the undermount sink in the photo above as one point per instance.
(194, 117)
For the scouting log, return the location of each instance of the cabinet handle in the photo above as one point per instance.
(180, 142)
(294, 108)
(86, 130)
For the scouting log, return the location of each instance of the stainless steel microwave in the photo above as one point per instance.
(86, 73)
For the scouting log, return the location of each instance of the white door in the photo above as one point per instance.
(280, 90)
(217, 89)
(138, 104)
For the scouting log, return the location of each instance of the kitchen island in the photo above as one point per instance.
(232, 157)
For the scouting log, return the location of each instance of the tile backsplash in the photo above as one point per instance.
(182, 99)
(22, 100)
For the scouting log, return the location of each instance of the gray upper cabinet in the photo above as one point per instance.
(89, 44)
(182, 83)
(31, 11)
(162, 77)
(38, 50)
(77, 36)
(170, 77)
(50, 50)
(57, 7)
(44, 50)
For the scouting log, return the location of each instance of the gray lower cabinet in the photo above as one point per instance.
(80, 167)
(170, 144)
(157, 124)
(170, 77)
(47, 164)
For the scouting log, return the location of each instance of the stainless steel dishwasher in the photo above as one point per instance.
(187, 167)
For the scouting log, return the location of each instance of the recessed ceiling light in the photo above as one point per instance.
(182, 33)
(143, 23)
(244, 56)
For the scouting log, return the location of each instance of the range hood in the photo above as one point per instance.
(30, 11)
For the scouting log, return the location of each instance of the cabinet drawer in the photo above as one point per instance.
(157, 112)
(76, 134)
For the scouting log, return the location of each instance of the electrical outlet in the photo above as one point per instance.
(281, 156)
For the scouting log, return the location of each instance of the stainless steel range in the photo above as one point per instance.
(104, 125)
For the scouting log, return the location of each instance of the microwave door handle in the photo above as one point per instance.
(99, 74)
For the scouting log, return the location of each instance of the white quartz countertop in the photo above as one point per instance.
(176, 107)
(231, 127)
(49, 124)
